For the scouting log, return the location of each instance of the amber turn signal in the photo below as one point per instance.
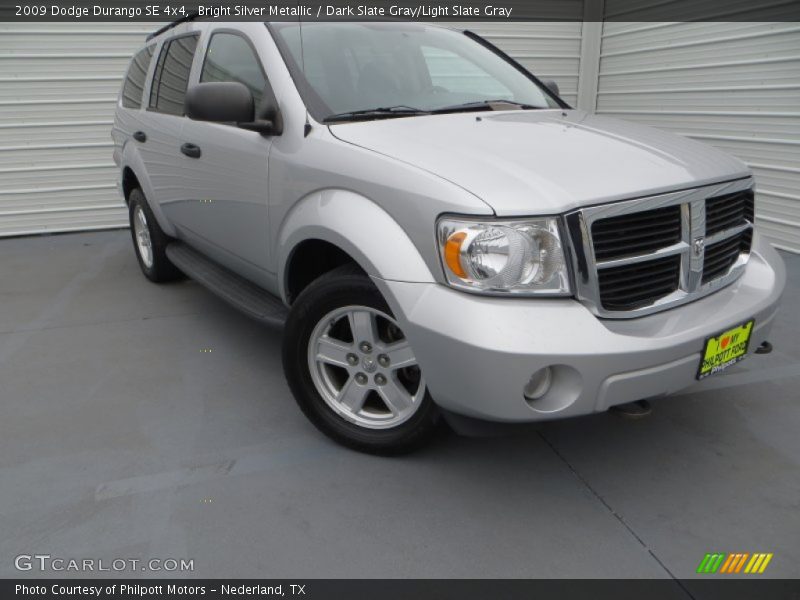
(452, 253)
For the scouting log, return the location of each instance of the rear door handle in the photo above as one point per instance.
(191, 150)
(140, 136)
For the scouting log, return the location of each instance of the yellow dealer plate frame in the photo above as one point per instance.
(725, 350)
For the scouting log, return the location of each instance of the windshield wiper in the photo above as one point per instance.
(483, 105)
(376, 113)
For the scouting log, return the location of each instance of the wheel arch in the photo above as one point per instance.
(133, 174)
(309, 260)
(331, 227)
(129, 183)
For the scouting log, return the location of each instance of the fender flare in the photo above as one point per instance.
(359, 227)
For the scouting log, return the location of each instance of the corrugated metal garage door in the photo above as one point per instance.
(58, 85)
(733, 85)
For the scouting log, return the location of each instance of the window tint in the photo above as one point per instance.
(172, 75)
(230, 58)
(134, 82)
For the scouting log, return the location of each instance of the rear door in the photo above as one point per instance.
(229, 182)
(167, 168)
(128, 116)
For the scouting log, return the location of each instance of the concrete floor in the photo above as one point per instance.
(121, 438)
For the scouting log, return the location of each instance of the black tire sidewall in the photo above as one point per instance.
(344, 287)
(162, 269)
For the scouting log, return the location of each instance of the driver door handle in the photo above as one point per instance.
(191, 150)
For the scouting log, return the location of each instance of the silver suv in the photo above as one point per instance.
(441, 236)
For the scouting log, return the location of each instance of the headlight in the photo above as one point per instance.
(516, 257)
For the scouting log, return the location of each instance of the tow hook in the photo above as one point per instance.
(764, 348)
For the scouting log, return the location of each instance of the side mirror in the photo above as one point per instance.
(225, 102)
(552, 86)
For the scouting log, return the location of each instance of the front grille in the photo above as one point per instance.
(637, 233)
(633, 286)
(728, 211)
(639, 256)
(720, 257)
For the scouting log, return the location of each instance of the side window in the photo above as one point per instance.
(172, 75)
(133, 87)
(230, 58)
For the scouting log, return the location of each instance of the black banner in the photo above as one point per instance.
(412, 10)
(733, 588)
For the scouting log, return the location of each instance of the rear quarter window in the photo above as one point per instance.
(133, 88)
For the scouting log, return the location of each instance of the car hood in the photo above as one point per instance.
(545, 161)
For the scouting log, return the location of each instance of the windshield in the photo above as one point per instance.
(358, 67)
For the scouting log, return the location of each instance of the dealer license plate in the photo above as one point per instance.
(725, 350)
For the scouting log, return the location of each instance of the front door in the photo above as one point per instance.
(227, 217)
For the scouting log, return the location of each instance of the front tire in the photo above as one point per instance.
(149, 241)
(351, 368)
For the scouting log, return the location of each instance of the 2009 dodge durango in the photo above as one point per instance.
(448, 237)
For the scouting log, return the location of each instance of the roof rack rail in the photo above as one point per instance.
(190, 17)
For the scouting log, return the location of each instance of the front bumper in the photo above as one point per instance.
(477, 352)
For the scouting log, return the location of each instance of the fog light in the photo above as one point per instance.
(538, 384)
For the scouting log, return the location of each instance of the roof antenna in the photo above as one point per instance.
(307, 127)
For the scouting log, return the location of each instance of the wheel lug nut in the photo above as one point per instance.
(383, 360)
(365, 347)
(380, 379)
(352, 359)
(361, 379)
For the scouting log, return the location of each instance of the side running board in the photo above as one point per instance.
(235, 290)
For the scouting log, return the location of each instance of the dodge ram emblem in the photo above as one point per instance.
(698, 245)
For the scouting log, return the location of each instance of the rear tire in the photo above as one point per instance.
(351, 369)
(149, 241)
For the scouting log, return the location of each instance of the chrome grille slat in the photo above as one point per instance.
(640, 256)
(629, 260)
(727, 233)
